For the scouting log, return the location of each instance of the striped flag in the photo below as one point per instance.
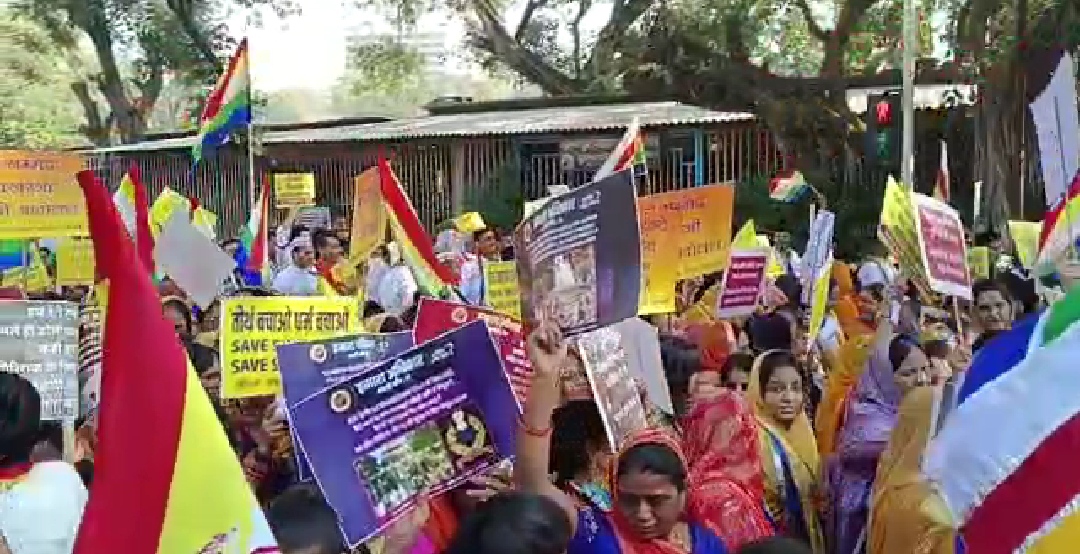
(1004, 460)
(629, 153)
(167, 481)
(941, 180)
(253, 255)
(417, 248)
(788, 186)
(228, 107)
(1060, 228)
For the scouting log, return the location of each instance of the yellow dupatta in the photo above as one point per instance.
(800, 449)
(906, 515)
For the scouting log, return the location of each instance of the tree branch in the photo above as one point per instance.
(95, 128)
(526, 17)
(815, 30)
(623, 14)
(185, 15)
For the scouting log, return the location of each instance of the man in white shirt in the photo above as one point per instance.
(299, 278)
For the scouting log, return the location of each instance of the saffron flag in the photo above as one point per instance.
(416, 245)
(167, 480)
(941, 180)
(228, 107)
(788, 186)
(629, 153)
(144, 238)
(1008, 476)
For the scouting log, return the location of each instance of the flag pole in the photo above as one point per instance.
(251, 165)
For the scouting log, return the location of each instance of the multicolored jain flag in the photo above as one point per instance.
(788, 186)
(253, 255)
(629, 153)
(1004, 460)
(184, 491)
(1060, 228)
(228, 107)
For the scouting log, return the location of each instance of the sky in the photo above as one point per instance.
(308, 50)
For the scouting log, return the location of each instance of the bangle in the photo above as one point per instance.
(533, 432)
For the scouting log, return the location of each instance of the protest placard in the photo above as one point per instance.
(944, 251)
(743, 283)
(579, 257)
(40, 341)
(368, 216)
(660, 224)
(309, 367)
(251, 328)
(424, 421)
(178, 244)
(818, 249)
(614, 389)
(642, 343)
(39, 196)
(435, 317)
(90, 358)
(501, 290)
(705, 234)
(75, 261)
(294, 189)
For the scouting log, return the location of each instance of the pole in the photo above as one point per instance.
(251, 165)
(910, 46)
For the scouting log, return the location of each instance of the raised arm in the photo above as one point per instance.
(547, 352)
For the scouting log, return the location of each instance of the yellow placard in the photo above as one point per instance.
(32, 278)
(165, 205)
(1025, 236)
(705, 233)
(819, 299)
(293, 190)
(75, 261)
(660, 225)
(368, 216)
(775, 268)
(978, 258)
(251, 327)
(39, 196)
(501, 292)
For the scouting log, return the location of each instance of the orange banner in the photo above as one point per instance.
(39, 196)
(704, 235)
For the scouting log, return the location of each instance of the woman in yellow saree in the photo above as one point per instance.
(906, 515)
(788, 449)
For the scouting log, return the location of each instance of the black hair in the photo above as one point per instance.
(680, 360)
(227, 242)
(577, 428)
(775, 360)
(202, 357)
(769, 332)
(983, 286)
(937, 348)
(775, 545)
(481, 232)
(656, 459)
(392, 324)
(301, 520)
(707, 283)
(296, 231)
(513, 523)
(792, 289)
(1020, 289)
(372, 308)
(900, 348)
(203, 314)
(20, 418)
(738, 360)
(85, 469)
(184, 310)
(321, 237)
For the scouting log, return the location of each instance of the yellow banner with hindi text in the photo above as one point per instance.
(501, 291)
(75, 264)
(660, 226)
(369, 218)
(293, 190)
(39, 196)
(252, 327)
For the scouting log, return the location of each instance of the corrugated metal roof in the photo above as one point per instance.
(508, 122)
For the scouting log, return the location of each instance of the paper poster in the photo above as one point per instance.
(251, 328)
(435, 317)
(313, 217)
(75, 262)
(40, 341)
(1057, 128)
(660, 225)
(614, 389)
(196, 263)
(501, 291)
(90, 357)
(743, 282)
(944, 251)
(309, 367)
(1025, 237)
(978, 259)
(642, 343)
(579, 257)
(294, 189)
(818, 249)
(705, 233)
(900, 234)
(368, 216)
(424, 421)
(39, 196)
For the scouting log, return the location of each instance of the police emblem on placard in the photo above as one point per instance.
(459, 315)
(341, 401)
(318, 353)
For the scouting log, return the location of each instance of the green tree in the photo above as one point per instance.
(34, 113)
(132, 45)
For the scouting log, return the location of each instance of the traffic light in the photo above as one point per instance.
(883, 130)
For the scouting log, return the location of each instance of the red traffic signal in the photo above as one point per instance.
(883, 112)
